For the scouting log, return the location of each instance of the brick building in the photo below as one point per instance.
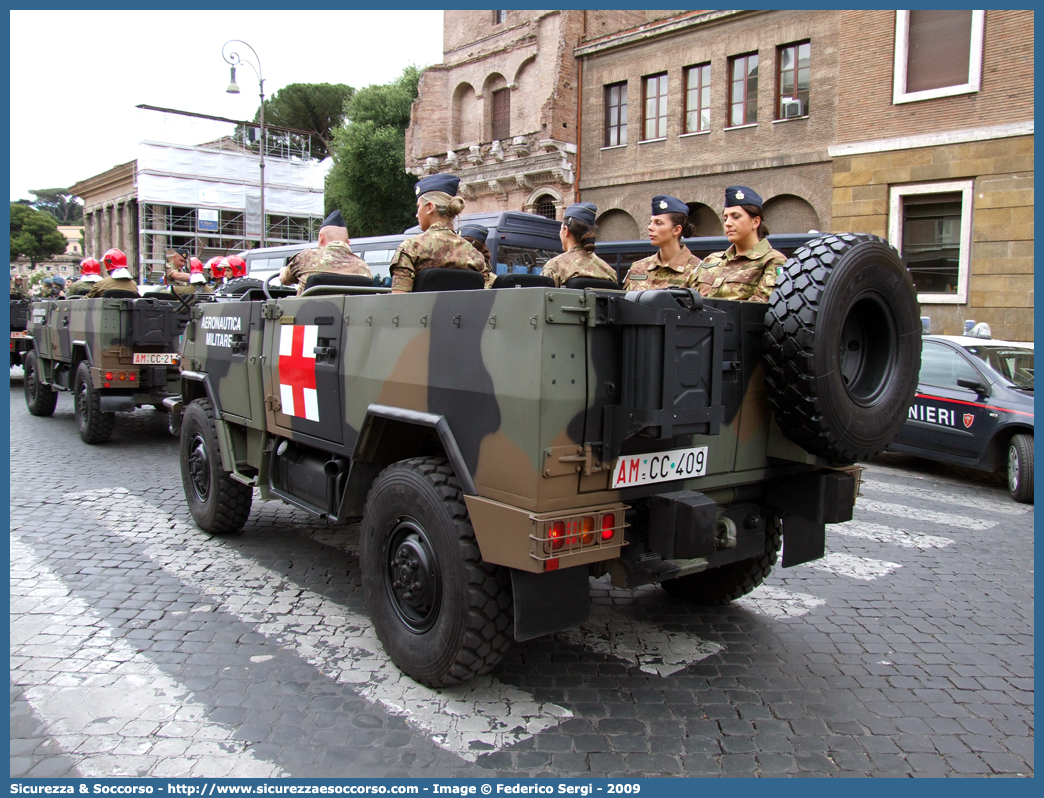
(501, 110)
(935, 151)
(704, 99)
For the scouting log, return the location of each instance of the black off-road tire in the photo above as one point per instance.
(39, 398)
(730, 582)
(443, 615)
(843, 346)
(93, 425)
(1020, 467)
(219, 505)
(237, 286)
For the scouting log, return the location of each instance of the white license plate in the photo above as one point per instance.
(646, 469)
(19, 334)
(155, 359)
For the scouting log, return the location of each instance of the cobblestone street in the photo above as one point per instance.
(142, 646)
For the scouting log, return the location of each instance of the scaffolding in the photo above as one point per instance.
(206, 196)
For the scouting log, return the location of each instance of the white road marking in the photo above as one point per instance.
(849, 565)
(655, 650)
(778, 603)
(886, 534)
(931, 516)
(103, 686)
(468, 720)
(948, 496)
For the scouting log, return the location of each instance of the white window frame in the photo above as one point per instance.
(895, 232)
(902, 44)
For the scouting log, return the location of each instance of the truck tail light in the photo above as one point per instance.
(557, 534)
(132, 376)
(608, 522)
(587, 525)
(108, 375)
(123, 376)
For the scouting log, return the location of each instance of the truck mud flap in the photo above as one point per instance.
(807, 503)
(550, 602)
(116, 404)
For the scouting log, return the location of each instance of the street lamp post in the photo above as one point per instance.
(234, 59)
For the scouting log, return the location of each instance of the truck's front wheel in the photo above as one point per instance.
(218, 503)
(39, 398)
(442, 614)
(93, 425)
(729, 582)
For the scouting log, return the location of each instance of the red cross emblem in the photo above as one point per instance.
(297, 371)
(968, 419)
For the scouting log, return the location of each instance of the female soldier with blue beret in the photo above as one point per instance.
(577, 235)
(674, 266)
(437, 246)
(747, 269)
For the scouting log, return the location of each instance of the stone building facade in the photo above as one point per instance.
(692, 146)
(110, 213)
(501, 110)
(942, 164)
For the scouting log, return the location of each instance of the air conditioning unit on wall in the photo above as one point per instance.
(792, 109)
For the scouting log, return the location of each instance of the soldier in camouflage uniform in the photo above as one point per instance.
(438, 246)
(90, 273)
(748, 268)
(577, 235)
(119, 277)
(476, 235)
(18, 287)
(674, 266)
(332, 255)
(197, 280)
(174, 272)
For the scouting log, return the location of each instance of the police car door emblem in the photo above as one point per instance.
(968, 419)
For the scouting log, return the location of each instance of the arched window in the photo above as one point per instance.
(545, 206)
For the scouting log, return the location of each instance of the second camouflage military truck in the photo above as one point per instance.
(503, 446)
(115, 353)
(19, 321)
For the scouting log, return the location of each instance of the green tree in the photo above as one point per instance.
(368, 181)
(319, 107)
(64, 206)
(34, 234)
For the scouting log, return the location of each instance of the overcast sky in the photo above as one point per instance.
(76, 76)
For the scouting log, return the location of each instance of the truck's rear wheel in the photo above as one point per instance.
(39, 398)
(732, 581)
(218, 503)
(93, 425)
(842, 346)
(442, 614)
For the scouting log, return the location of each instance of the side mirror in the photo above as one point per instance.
(974, 385)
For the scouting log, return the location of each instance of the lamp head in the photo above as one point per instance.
(233, 88)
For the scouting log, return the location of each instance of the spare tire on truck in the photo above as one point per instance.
(237, 286)
(843, 346)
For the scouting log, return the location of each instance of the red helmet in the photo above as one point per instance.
(216, 266)
(236, 265)
(195, 264)
(114, 259)
(90, 267)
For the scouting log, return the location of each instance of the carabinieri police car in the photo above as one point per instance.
(974, 407)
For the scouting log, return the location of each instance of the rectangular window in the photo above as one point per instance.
(499, 16)
(743, 90)
(938, 53)
(654, 107)
(501, 114)
(697, 98)
(615, 114)
(792, 79)
(931, 226)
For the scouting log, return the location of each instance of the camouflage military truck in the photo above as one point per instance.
(115, 353)
(504, 446)
(19, 337)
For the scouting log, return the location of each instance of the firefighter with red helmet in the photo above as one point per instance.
(90, 273)
(216, 267)
(236, 266)
(197, 280)
(119, 276)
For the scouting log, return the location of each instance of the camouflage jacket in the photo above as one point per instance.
(170, 267)
(80, 287)
(650, 273)
(112, 284)
(438, 247)
(336, 257)
(577, 262)
(749, 275)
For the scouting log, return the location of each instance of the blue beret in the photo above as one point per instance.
(443, 182)
(741, 195)
(59, 280)
(477, 231)
(664, 203)
(583, 211)
(334, 220)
